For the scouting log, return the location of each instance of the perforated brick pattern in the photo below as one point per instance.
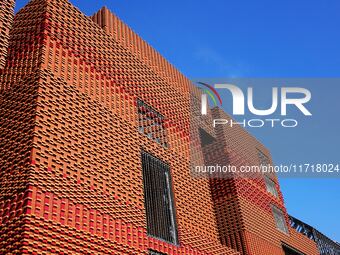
(71, 173)
(151, 123)
(6, 18)
(243, 206)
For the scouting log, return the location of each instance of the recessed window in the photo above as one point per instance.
(205, 137)
(159, 199)
(288, 250)
(151, 123)
(264, 160)
(279, 219)
(271, 187)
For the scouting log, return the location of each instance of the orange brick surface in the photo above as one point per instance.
(71, 179)
(243, 205)
(6, 18)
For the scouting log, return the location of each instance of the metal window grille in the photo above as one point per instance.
(151, 123)
(326, 245)
(158, 199)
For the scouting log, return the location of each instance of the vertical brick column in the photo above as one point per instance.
(6, 19)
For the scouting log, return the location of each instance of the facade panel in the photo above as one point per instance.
(80, 98)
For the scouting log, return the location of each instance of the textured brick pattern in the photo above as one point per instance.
(6, 18)
(71, 176)
(243, 206)
(151, 123)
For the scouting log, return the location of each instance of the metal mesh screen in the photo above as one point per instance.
(158, 196)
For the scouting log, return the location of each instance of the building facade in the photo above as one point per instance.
(97, 139)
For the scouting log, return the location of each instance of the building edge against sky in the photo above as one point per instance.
(89, 112)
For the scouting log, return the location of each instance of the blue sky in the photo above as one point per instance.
(258, 39)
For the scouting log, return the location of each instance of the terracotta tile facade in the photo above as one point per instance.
(70, 146)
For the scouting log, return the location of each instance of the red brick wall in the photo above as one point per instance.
(71, 181)
(85, 184)
(243, 205)
(6, 18)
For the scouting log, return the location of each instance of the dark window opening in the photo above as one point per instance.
(159, 199)
(290, 250)
(151, 252)
(205, 137)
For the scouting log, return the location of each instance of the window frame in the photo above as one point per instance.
(280, 219)
(287, 248)
(161, 209)
(271, 186)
